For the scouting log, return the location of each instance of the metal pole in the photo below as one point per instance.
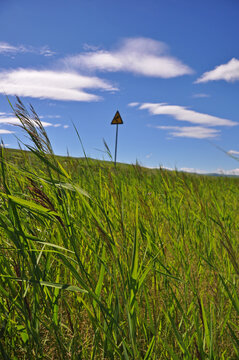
(116, 142)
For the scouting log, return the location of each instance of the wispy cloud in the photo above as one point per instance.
(142, 56)
(228, 72)
(193, 170)
(52, 116)
(46, 84)
(182, 113)
(195, 132)
(4, 114)
(49, 116)
(4, 131)
(198, 96)
(133, 104)
(217, 171)
(11, 120)
(233, 152)
(228, 172)
(88, 47)
(8, 49)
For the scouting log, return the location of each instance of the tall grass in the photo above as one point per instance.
(99, 262)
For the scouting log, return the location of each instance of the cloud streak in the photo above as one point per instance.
(140, 56)
(182, 113)
(11, 120)
(195, 132)
(8, 49)
(133, 104)
(228, 172)
(193, 170)
(48, 84)
(234, 172)
(4, 131)
(200, 96)
(233, 152)
(228, 72)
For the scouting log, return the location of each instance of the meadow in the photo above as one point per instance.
(105, 262)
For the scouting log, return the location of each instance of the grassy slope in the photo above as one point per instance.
(99, 262)
(152, 258)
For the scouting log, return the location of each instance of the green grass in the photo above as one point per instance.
(99, 262)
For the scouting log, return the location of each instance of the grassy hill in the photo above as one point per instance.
(99, 262)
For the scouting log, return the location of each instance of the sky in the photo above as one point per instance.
(170, 67)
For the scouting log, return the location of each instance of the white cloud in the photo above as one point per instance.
(65, 126)
(90, 47)
(10, 120)
(45, 51)
(148, 156)
(7, 49)
(5, 114)
(228, 72)
(192, 170)
(166, 168)
(133, 104)
(4, 131)
(142, 56)
(196, 132)
(181, 113)
(233, 152)
(198, 96)
(46, 84)
(52, 116)
(217, 171)
(15, 121)
(228, 172)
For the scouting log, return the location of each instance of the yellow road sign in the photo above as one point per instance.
(117, 119)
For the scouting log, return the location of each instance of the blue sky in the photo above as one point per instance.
(170, 67)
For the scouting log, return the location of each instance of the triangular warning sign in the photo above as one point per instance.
(117, 119)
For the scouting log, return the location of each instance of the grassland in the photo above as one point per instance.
(99, 262)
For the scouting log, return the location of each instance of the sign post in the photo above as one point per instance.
(117, 120)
